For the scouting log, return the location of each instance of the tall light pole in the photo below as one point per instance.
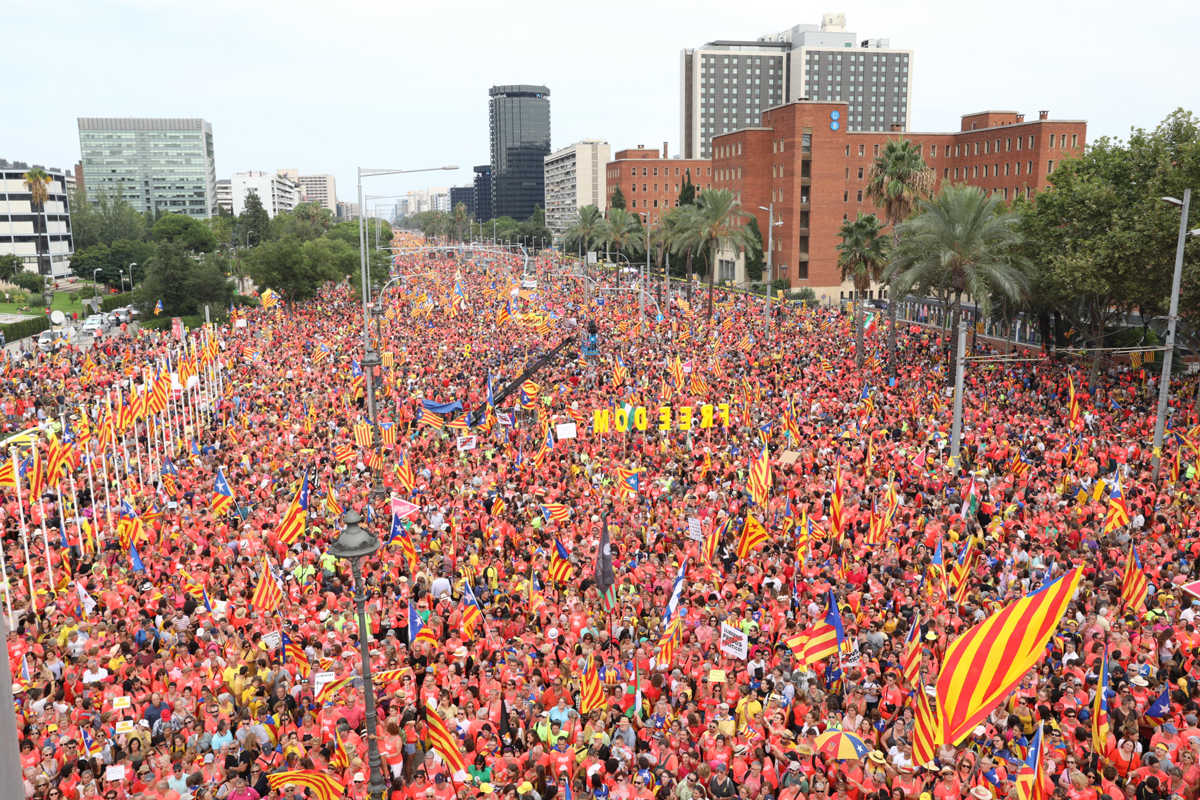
(771, 223)
(645, 215)
(131, 266)
(369, 355)
(354, 544)
(956, 425)
(95, 285)
(1164, 385)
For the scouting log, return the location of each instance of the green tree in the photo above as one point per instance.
(460, 222)
(754, 260)
(254, 224)
(104, 221)
(9, 266)
(622, 231)
(37, 181)
(962, 243)
(192, 234)
(687, 192)
(861, 256)
(305, 222)
(585, 230)
(1102, 242)
(898, 180)
(112, 260)
(222, 226)
(716, 223)
(617, 201)
(183, 282)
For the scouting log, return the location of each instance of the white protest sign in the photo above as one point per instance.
(734, 642)
(466, 443)
(564, 431)
(320, 679)
(694, 529)
(272, 640)
(122, 702)
(125, 726)
(114, 772)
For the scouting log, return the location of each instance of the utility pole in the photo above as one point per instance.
(1164, 384)
(956, 428)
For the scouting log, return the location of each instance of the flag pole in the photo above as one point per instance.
(87, 450)
(12, 454)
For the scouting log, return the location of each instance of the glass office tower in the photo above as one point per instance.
(158, 165)
(519, 118)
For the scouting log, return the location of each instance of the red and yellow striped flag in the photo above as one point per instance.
(330, 689)
(442, 741)
(925, 727)
(323, 786)
(983, 665)
(753, 535)
(267, 594)
(591, 696)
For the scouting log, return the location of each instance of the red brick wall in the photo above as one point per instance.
(651, 184)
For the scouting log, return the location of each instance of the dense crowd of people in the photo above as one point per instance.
(152, 662)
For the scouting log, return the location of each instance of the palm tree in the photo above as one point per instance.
(460, 220)
(898, 180)
(681, 221)
(586, 229)
(621, 230)
(962, 242)
(861, 256)
(36, 181)
(719, 220)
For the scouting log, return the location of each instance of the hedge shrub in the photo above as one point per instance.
(25, 328)
(112, 302)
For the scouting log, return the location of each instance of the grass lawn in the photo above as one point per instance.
(62, 302)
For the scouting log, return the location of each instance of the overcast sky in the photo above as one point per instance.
(326, 86)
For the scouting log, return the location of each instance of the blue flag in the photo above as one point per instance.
(135, 559)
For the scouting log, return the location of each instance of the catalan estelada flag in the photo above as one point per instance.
(1073, 418)
(442, 741)
(330, 690)
(1118, 513)
(753, 536)
(668, 642)
(267, 594)
(560, 563)
(321, 784)
(222, 499)
(290, 651)
(1100, 710)
(418, 631)
(825, 637)
(292, 526)
(556, 512)
(158, 307)
(344, 453)
(471, 615)
(339, 758)
(629, 482)
(983, 665)
(591, 696)
(363, 434)
(400, 535)
(910, 659)
(1133, 582)
(1031, 780)
(332, 506)
(405, 474)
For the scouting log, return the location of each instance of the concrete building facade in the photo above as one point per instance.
(157, 165)
(650, 182)
(575, 177)
(40, 236)
(726, 84)
(276, 192)
(464, 195)
(816, 173)
(319, 189)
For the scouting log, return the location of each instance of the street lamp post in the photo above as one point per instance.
(368, 353)
(131, 266)
(771, 224)
(1164, 385)
(95, 285)
(354, 544)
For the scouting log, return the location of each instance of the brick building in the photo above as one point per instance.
(650, 182)
(815, 172)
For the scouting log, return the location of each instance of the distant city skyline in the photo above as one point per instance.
(370, 102)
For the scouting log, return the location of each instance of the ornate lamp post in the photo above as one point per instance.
(354, 544)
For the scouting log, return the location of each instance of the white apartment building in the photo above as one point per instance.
(319, 189)
(574, 178)
(40, 236)
(726, 84)
(276, 192)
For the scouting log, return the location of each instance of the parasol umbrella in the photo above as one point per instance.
(841, 746)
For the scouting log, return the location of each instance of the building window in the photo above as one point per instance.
(975, 171)
(946, 173)
(1049, 166)
(875, 150)
(1029, 168)
(633, 203)
(656, 172)
(1018, 144)
(1052, 141)
(1074, 141)
(860, 173)
(985, 147)
(976, 148)
(985, 170)
(860, 195)
(643, 187)
(1017, 166)
(846, 196)
(847, 151)
(1031, 141)
(861, 150)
